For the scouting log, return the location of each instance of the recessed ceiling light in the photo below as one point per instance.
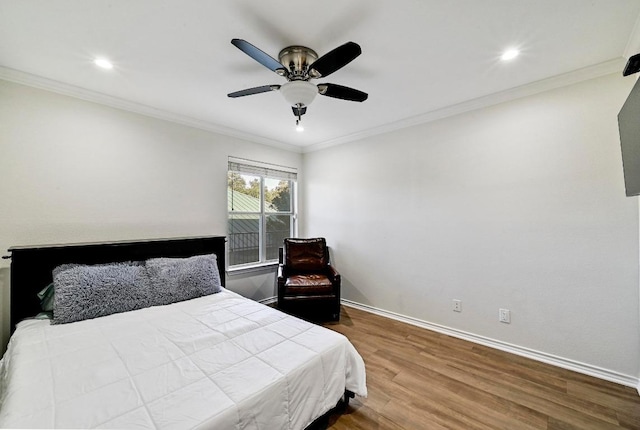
(509, 54)
(103, 63)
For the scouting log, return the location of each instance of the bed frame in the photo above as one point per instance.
(31, 266)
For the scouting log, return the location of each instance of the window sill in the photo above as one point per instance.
(263, 267)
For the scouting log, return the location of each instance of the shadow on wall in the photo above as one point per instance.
(5, 294)
(348, 290)
(352, 293)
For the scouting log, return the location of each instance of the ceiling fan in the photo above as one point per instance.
(299, 64)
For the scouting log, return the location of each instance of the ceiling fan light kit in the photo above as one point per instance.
(299, 92)
(299, 64)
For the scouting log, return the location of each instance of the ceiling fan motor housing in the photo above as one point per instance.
(297, 59)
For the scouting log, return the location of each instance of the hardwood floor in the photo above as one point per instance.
(419, 379)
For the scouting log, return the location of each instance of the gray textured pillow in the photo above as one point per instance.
(84, 291)
(178, 279)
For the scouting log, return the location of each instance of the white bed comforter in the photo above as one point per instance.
(219, 361)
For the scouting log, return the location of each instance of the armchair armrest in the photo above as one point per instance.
(333, 274)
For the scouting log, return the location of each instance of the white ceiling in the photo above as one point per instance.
(421, 58)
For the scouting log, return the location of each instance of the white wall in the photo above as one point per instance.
(74, 171)
(519, 206)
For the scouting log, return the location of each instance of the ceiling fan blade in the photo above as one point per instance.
(255, 90)
(334, 60)
(261, 57)
(341, 92)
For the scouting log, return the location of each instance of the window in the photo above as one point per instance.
(261, 206)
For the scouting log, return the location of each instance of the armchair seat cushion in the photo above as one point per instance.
(308, 285)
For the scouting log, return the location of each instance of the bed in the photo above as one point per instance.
(214, 361)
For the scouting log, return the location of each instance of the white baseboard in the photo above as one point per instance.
(565, 363)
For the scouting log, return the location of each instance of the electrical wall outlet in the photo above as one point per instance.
(457, 305)
(504, 316)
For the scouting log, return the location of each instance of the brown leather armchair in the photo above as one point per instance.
(308, 286)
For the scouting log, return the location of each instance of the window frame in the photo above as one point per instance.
(262, 171)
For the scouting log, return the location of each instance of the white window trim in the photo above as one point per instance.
(272, 171)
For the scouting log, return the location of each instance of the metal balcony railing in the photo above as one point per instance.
(244, 248)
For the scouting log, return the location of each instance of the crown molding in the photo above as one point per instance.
(595, 71)
(633, 44)
(40, 82)
(584, 74)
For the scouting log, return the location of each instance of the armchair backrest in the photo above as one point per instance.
(306, 255)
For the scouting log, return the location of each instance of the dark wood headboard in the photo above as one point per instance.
(31, 266)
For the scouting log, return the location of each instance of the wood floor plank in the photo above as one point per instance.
(534, 396)
(469, 405)
(420, 379)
